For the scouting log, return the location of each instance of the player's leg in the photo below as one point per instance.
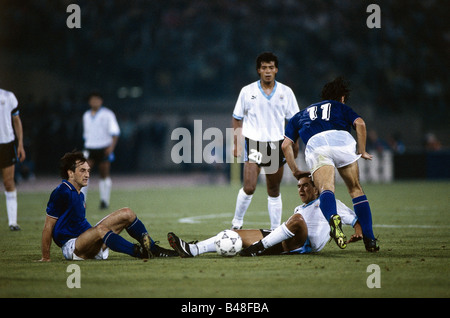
(249, 237)
(274, 203)
(193, 249)
(292, 235)
(324, 180)
(105, 183)
(11, 197)
(244, 198)
(126, 219)
(107, 232)
(350, 175)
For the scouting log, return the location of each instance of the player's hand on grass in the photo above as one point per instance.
(354, 238)
(357, 236)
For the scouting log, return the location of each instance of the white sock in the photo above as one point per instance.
(278, 235)
(242, 202)
(205, 246)
(275, 207)
(104, 186)
(11, 206)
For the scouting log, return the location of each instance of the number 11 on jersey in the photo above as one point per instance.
(325, 112)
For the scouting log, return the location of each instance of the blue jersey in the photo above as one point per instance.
(67, 206)
(319, 117)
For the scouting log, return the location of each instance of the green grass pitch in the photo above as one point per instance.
(411, 219)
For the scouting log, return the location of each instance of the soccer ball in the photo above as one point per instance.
(228, 243)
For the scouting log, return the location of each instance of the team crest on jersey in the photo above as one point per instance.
(2, 102)
(281, 97)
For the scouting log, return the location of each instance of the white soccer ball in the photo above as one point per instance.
(228, 243)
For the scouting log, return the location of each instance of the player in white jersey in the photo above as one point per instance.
(101, 133)
(10, 130)
(259, 117)
(306, 231)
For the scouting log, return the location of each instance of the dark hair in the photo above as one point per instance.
(94, 94)
(307, 175)
(69, 162)
(266, 57)
(335, 89)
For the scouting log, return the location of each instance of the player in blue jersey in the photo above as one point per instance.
(66, 222)
(325, 129)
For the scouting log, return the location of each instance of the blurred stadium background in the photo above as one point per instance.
(162, 64)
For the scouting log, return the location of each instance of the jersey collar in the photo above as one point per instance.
(264, 94)
(308, 204)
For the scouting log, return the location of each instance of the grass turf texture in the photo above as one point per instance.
(411, 220)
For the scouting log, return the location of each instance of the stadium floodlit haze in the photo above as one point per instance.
(162, 64)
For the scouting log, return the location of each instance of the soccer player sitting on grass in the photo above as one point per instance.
(305, 231)
(66, 222)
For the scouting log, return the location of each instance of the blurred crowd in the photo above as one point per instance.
(206, 49)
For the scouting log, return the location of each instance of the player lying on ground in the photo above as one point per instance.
(324, 128)
(305, 231)
(66, 222)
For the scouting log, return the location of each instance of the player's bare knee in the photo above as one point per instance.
(127, 214)
(249, 189)
(295, 222)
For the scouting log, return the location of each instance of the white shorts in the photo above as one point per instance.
(69, 248)
(330, 148)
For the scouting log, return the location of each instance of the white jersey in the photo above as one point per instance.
(8, 108)
(264, 115)
(318, 227)
(99, 129)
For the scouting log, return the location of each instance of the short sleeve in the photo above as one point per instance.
(57, 203)
(291, 130)
(292, 107)
(239, 108)
(114, 129)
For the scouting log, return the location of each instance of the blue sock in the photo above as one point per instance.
(362, 210)
(136, 229)
(328, 204)
(118, 244)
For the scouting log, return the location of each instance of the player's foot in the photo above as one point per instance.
(146, 242)
(253, 250)
(336, 231)
(179, 245)
(159, 251)
(14, 227)
(103, 205)
(371, 245)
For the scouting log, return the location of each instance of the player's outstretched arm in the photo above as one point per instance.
(288, 150)
(361, 136)
(237, 127)
(47, 238)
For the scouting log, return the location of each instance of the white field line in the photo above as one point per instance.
(202, 218)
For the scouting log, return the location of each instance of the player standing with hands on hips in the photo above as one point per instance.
(259, 116)
(10, 130)
(325, 128)
(101, 133)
